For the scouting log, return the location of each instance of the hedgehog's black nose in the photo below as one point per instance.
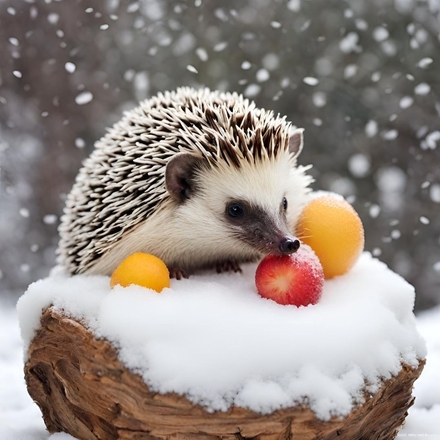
(288, 245)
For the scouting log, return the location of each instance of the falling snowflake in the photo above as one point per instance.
(252, 90)
(70, 67)
(309, 80)
(425, 62)
(380, 34)
(371, 129)
(422, 89)
(191, 68)
(84, 98)
(406, 101)
(262, 75)
(50, 219)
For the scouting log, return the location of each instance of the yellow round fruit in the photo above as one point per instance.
(142, 269)
(333, 229)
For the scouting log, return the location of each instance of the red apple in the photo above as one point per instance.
(291, 279)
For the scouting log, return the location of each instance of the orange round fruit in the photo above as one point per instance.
(333, 229)
(142, 269)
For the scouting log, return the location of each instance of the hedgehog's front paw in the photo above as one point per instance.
(227, 266)
(177, 273)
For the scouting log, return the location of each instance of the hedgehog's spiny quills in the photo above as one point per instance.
(121, 188)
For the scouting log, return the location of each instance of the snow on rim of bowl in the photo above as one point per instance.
(215, 340)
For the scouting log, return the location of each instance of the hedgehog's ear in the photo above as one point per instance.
(179, 175)
(296, 141)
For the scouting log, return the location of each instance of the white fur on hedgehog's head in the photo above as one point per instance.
(252, 203)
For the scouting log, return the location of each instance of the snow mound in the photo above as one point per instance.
(215, 340)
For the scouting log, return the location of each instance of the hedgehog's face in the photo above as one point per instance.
(247, 207)
(252, 204)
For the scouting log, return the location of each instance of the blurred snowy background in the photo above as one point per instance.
(362, 77)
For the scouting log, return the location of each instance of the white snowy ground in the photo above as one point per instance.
(20, 418)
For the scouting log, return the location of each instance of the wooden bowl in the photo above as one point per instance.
(83, 389)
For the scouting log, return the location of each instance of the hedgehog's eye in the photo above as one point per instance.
(235, 210)
(284, 204)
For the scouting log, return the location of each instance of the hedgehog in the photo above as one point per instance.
(199, 178)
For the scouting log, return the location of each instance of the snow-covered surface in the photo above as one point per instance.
(424, 417)
(214, 339)
(20, 418)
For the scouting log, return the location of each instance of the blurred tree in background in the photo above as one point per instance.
(362, 77)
